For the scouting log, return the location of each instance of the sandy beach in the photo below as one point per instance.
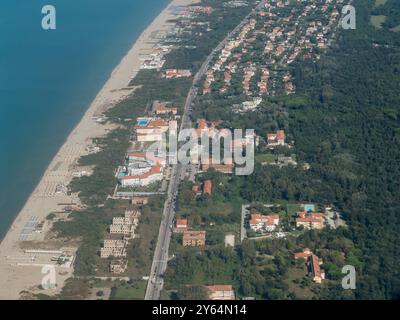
(21, 270)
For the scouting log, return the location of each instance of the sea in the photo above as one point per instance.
(49, 77)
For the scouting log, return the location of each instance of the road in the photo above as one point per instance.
(160, 259)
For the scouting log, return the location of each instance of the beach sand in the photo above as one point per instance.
(23, 271)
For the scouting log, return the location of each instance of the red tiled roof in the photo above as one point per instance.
(280, 134)
(181, 222)
(258, 218)
(207, 186)
(315, 268)
(154, 170)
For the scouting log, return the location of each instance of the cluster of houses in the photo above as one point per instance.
(225, 165)
(114, 248)
(123, 227)
(288, 33)
(225, 54)
(306, 218)
(313, 263)
(263, 83)
(144, 168)
(177, 73)
(207, 188)
(189, 11)
(190, 238)
(285, 42)
(156, 59)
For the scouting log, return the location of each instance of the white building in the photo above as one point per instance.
(263, 223)
(154, 174)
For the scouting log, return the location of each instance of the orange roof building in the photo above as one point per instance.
(276, 138)
(305, 254)
(313, 264)
(315, 270)
(207, 187)
(181, 225)
(260, 222)
(154, 174)
(177, 73)
(310, 220)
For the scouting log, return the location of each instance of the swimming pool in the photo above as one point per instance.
(309, 207)
(142, 122)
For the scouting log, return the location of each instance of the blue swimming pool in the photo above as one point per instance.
(142, 122)
(309, 207)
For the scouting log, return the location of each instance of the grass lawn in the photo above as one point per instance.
(299, 274)
(133, 291)
(292, 208)
(377, 21)
(266, 157)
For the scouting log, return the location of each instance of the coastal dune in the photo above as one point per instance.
(21, 270)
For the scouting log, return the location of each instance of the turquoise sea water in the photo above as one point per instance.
(48, 79)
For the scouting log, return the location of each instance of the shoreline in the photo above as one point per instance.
(19, 270)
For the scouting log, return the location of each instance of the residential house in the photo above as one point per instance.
(313, 263)
(314, 268)
(304, 254)
(276, 138)
(310, 220)
(207, 187)
(261, 223)
(153, 174)
(181, 225)
(176, 73)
